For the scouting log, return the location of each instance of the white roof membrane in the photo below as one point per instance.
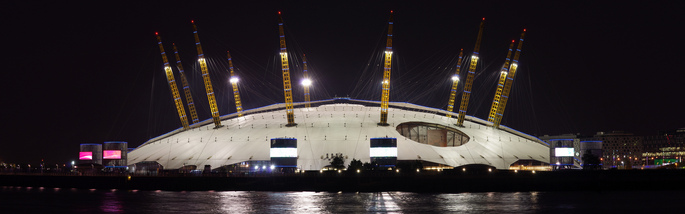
(331, 129)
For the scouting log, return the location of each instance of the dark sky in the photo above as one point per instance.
(85, 72)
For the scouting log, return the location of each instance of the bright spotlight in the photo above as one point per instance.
(306, 82)
(273, 167)
(455, 78)
(234, 80)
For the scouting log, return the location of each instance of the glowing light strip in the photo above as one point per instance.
(283, 152)
(383, 152)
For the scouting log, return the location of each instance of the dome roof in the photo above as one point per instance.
(333, 129)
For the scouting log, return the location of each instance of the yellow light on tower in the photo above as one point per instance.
(455, 78)
(234, 80)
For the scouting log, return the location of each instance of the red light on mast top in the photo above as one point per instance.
(279, 12)
(524, 30)
(391, 11)
(192, 21)
(156, 33)
(512, 41)
(483, 18)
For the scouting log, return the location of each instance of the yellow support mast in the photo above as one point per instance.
(500, 85)
(306, 82)
(287, 89)
(509, 82)
(207, 80)
(385, 96)
(469, 78)
(172, 85)
(455, 82)
(234, 82)
(186, 87)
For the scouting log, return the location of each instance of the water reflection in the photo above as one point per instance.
(382, 202)
(33, 200)
(111, 203)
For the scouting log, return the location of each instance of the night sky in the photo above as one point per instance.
(91, 72)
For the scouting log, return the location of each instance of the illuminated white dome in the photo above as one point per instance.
(334, 129)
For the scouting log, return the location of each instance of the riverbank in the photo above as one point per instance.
(332, 181)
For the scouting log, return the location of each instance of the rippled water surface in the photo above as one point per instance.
(54, 200)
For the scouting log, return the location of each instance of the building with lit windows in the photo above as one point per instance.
(619, 149)
(667, 147)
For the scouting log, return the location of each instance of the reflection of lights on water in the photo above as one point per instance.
(385, 203)
(111, 203)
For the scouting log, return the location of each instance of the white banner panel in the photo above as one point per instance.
(283, 152)
(383, 152)
(563, 152)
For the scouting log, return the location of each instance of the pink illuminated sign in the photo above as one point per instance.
(111, 154)
(85, 155)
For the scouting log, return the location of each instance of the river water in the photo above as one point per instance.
(55, 200)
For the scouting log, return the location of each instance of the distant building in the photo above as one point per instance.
(665, 148)
(564, 151)
(593, 147)
(619, 149)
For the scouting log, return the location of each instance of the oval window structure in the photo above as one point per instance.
(433, 134)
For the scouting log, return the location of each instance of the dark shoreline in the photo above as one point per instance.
(446, 181)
